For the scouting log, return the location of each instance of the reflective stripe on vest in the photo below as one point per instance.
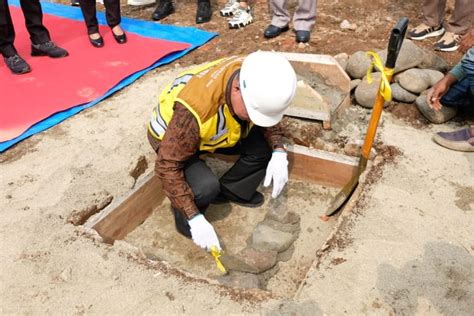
(218, 131)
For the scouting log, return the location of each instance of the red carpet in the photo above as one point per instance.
(58, 84)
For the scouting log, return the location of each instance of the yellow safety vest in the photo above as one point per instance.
(202, 91)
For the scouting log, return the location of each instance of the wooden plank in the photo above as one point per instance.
(319, 166)
(325, 65)
(125, 214)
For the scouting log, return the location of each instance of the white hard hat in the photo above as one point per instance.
(267, 84)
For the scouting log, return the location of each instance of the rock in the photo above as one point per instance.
(438, 117)
(286, 255)
(342, 59)
(414, 80)
(433, 75)
(402, 95)
(289, 227)
(365, 93)
(266, 238)
(358, 64)
(355, 83)
(279, 212)
(410, 56)
(250, 260)
(240, 279)
(346, 25)
(302, 45)
(432, 61)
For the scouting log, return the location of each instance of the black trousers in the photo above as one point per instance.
(112, 14)
(34, 24)
(241, 180)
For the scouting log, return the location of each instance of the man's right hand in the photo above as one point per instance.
(203, 234)
(434, 95)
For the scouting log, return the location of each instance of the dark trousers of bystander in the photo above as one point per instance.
(459, 22)
(34, 24)
(112, 14)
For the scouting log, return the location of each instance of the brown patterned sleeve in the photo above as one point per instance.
(181, 142)
(274, 135)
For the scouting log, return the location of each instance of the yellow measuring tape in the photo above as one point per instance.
(385, 89)
(217, 254)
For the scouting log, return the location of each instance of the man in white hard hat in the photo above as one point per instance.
(230, 106)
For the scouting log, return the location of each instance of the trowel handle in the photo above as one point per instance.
(395, 43)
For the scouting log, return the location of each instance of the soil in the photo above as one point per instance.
(49, 266)
(374, 20)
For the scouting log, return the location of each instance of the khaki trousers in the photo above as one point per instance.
(460, 21)
(304, 17)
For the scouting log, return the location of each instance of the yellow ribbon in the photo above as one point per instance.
(217, 254)
(385, 89)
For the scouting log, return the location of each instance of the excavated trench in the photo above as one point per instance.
(271, 247)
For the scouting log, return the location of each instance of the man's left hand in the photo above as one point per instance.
(467, 41)
(277, 170)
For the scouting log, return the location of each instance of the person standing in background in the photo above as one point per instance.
(433, 24)
(112, 14)
(304, 19)
(41, 44)
(239, 13)
(165, 8)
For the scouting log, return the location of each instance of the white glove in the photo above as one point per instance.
(203, 233)
(277, 170)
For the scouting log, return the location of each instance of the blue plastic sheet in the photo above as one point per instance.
(190, 35)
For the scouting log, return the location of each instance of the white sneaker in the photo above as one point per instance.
(140, 2)
(230, 7)
(448, 43)
(242, 18)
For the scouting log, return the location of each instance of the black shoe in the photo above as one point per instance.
(181, 223)
(17, 65)
(273, 31)
(163, 9)
(121, 39)
(75, 3)
(302, 36)
(256, 200)
(204, 12)
(48, 49)
(98, 42)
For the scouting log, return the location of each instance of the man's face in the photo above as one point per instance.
(238, 104)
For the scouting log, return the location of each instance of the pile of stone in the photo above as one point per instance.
(270, 243)
(416, 70)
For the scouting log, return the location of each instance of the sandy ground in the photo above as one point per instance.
(407, 247)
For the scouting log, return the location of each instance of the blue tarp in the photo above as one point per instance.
(190, 35)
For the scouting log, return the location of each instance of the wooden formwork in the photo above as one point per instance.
(123, 215)
(309, 103)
